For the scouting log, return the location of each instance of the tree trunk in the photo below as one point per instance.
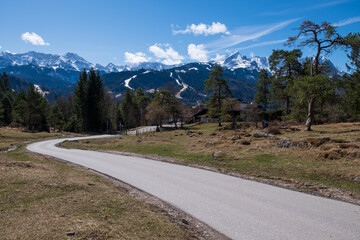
(310, 114)
(317, 63)
(287, 107)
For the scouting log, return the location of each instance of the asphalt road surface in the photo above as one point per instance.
(241, 209)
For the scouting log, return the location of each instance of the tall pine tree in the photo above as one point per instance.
(220, 91)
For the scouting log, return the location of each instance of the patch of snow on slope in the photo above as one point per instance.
(184, 85)
(38, 89)
(177, 80)
(127, 81)
(193, 68)
(146, 72)
(150, 90)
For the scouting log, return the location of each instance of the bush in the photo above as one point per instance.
(273, 130)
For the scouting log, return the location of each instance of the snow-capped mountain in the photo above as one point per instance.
(73, 62)
(236, 60)
(69, 61)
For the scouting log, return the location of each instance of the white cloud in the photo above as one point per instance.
(219, 58)
(166, 53)
(263, 44)
(34, 39)
(0, 47)
(198, 52)
(203, 29)
(347, 21)
(135, 58)
(248, 33)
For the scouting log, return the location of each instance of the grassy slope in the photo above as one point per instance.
(262, 158)
(42, 198)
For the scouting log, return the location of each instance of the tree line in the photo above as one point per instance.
(308, 90)
(89, 109)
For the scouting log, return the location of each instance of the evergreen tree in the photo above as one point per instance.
(351, 82)
(20, 108)
(324, 38)
(129, 110)
(220, 91)
(286, 67)
(142, 101)
(56, 118)
(1, 115)
(31, 110)
(308, 89)
(7, 105)
(37, 111)
(4, 84)
(80, 104)
(94, 101)
(262, 94)
(65, 105)
(6, 99)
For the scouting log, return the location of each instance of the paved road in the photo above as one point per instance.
(241, 209)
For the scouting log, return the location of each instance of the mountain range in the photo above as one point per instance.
(57, 75)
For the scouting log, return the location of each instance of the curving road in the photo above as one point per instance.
(241, 209)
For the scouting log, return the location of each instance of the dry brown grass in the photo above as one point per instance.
(10, 137)
(43, 198)
(331, 164)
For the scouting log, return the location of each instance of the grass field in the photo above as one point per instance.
(10, 137)
(43, 198)
(316, 163)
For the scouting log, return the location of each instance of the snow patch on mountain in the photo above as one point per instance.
(39, 90)
(127, 81)
(193, 68)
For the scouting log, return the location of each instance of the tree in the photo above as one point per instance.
(4, 84)
(6, 100)
(286, 67)
(94, 99)
(351, 82)
(89, 97)
(20, 108)
(31, 110)
(308, 89)
(352, 42)
(7, 105)
(129, 110)
(56, 118)
(80, 104)
(262, 94)
(155, 114)
(1, 115)
(142, 101)
(168, 103)
(323, 38)
(220, 91)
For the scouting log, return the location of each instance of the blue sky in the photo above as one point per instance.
(166, 31)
